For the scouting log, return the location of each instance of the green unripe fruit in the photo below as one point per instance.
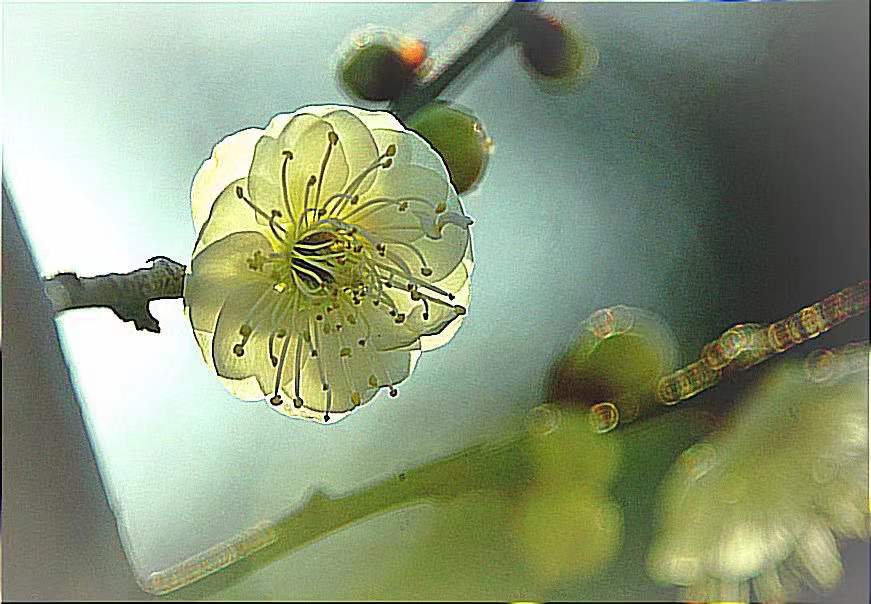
(458, 137)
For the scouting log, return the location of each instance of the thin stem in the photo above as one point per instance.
(490, 41)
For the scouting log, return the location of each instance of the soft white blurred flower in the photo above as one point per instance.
(332, 250)
(761, 505)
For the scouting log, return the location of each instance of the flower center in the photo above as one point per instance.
(316, 258)
(327, 271)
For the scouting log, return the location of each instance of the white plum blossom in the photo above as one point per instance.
(761, 506)
(332, 250)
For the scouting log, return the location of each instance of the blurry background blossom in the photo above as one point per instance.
(761, 504)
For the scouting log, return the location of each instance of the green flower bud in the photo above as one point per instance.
(380, 65)
(458, 137)
(613, 366)
(554, 53)
(548, 47)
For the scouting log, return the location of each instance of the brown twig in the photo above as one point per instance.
(128, 294)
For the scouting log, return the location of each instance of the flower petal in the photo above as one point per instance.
(247, 305)
(353, 371)
(411, 149)
(459, 283)
(247, 389)
(217, 271)
(358, 146)
(422, 189)
(230, 161)
(283, 167)
(229, 214)
(415, 213)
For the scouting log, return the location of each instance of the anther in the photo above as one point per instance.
(275, 400)
(387, 163)
(274, 226)
(441, 207)
(238, 350)
(425, 271)
(355, 398)
(403, 206)
(393, 391)
(460, 310)
(334, 138)
(400, 318)
(255, 262)
(361, 342)
(345, 352)
(390, 151)
(287, 154)
(312, 180)
(297, 402)
(325, 387)
(245, 330)
(373, 381)
(319, 317)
